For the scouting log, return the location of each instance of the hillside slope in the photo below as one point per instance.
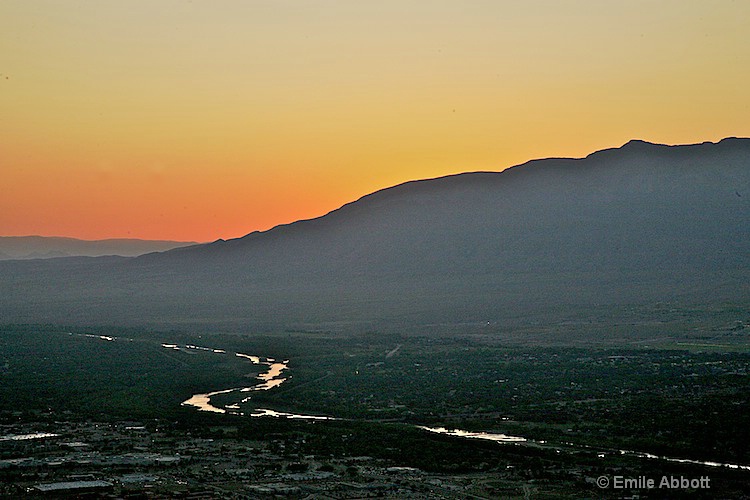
(637, 224)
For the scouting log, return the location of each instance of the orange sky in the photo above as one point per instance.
(204, 120)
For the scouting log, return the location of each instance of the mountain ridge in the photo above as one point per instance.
(35, 246)
(631, 144)
(635, 224)
(629, 147)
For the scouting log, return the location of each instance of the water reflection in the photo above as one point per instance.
(501, 438)
(264, 412)
(203, 401)
(270, 379)
(26, 437)
(641, 454)
(254, 359)
(88, 335)
(274, 371)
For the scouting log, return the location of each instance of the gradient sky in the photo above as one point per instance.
(197, 120)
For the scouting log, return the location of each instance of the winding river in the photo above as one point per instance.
(269, 379)
(273, 377)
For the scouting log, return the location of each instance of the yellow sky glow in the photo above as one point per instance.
(200, 120)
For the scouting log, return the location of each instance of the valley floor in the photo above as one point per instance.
(98, 412)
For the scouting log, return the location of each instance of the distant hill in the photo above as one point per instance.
(43, 247)
(640, 224)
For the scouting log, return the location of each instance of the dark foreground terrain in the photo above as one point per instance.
(649, 408)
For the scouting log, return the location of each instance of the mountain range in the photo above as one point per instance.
(45, 247)
(640, 224)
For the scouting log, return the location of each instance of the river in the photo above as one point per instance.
(272, 377)
(268, 379)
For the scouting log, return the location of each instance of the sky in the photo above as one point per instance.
(197, 120)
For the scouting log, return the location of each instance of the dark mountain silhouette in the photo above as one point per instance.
(639, 224)
(45, 247)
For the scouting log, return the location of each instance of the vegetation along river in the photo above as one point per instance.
(274, 376)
